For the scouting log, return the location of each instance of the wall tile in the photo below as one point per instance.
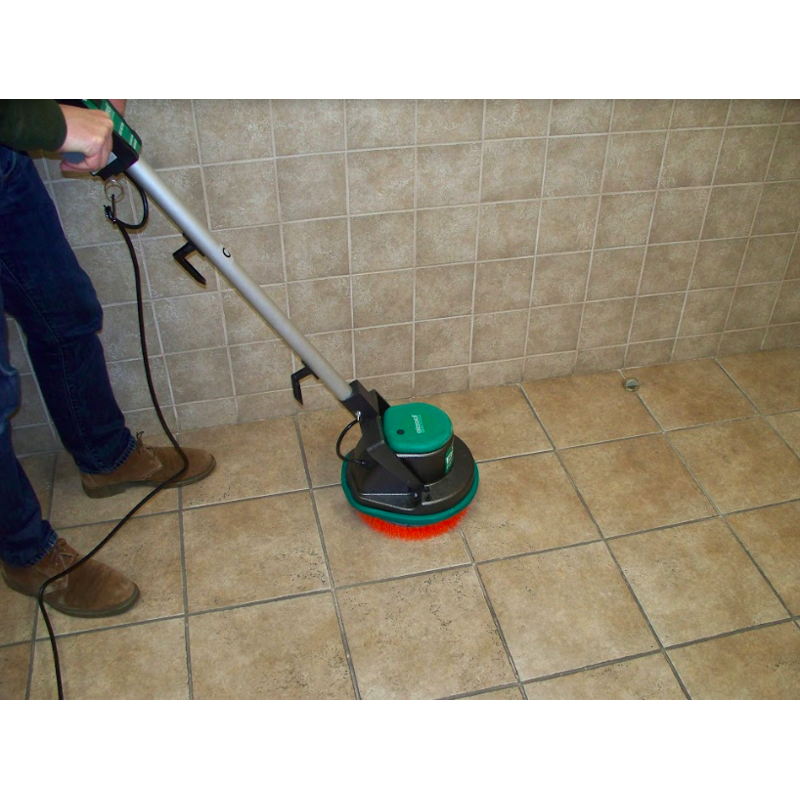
(499, 336)
(80, 203)
(233, 130)
(441, 121)
(512, 118)
(308, 126)
(741, 342)
(678, 215)
(656, 317)
(667, 267)
(442, 343)
(718, 263)
(755, 112)
(580, 116)
(601, 359)
(785, 165)
(120, 334)
(503, 285)
(312, 186)
(207, 414)
(699, 113)
(779, 209)
(260, 367)
(242, 323)
(693, 347)
(322, 305)
(633, 161)
(752, 305)
(624, 219)
(766, 258)
(167, 130)
(731, 211)
(787, 308)
(167, 278)
(705, 311)
(507, 230)
(383, 351)
(380, 123)
(448, 175)
(560, 279)
(201, 375)
(444, 291)
(337, 348)
(383, 298)
(512, 170)
(745, 155)
(190, 323)
(690, 158)
(382, 242)
(316, 249)
(645, 354)
(638, 115)
(553, 329)
(556, 365)
(567, 224)
(381, 180)
(498, 373)
(446, 235)
(438, 381)
(792, 111)
(110, 269)
(130, 383)
(615, 273)
(575, 165)
(606, 322)
(241, 194)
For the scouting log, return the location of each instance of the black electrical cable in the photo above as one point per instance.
(123, 228)
(339, 441)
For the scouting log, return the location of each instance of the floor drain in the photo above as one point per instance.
(632, 385)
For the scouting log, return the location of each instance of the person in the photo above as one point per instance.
(43, 287)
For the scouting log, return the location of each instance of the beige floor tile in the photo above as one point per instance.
(788, 426)
(498, 694)
(72, 507)
(19, 613)
(494, 423)
(772, 536)
(585, 409)
(635, 484)
(141, 662)
(252, 550)
(290, 649)
(694, 581)
(565, 609)
(754, 665)
(525, 504)
(690, 393)
(14, 663)
(740, 464)
(357, 553)
(770, 378)
(423, 637)
(320, 430)
(255, 459)
(647, 678)
(148, 551)
(39, 470)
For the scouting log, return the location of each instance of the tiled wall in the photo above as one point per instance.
(431, 246)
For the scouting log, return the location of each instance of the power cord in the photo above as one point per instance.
(123, 227)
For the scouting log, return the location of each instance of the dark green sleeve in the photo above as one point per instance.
(32, 124)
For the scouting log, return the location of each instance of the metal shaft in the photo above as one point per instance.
(224, 261)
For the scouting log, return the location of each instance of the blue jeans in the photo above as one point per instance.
(45, 290)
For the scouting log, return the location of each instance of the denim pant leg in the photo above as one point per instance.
(53, 299)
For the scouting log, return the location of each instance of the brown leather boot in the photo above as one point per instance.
(149, 466)
(92, 590)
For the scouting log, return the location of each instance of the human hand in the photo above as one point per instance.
(88, 132)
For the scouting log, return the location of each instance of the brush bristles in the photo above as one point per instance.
(413, 532)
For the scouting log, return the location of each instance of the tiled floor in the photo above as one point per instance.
(622, 545)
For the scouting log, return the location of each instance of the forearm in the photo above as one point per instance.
(32, 124)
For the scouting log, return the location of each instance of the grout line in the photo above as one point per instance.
(648, 243)
(700, 240)
(536, 243)
(331, 581)
(185, 592)
(350, 242)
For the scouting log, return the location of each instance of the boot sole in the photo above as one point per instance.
(100, 492)
(114, 611)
